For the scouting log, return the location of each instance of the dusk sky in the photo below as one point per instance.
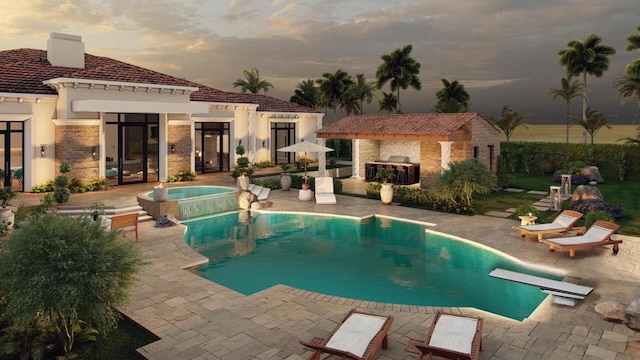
(505, 52)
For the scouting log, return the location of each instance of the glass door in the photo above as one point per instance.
(132, 148)
(282, 134)
(11, 149)
(212, 147)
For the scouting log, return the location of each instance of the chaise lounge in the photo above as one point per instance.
(599, 234)
(324, 191)
(357, 336)
(562, 223)
(450, 336)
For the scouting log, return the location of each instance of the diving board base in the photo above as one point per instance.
(563, 298)
(559, 288)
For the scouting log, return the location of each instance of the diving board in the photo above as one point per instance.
(559, 288)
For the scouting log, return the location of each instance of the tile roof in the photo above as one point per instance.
(429, 124)
(24, 70)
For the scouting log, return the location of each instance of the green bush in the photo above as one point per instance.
(263, 164)
(524, 210)
(456, 187)
(594, 216)
(267, 182)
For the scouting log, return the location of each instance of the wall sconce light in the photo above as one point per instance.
(263, 143)
(240, 142)
(173, 148)
(43, 147)
(93, 151)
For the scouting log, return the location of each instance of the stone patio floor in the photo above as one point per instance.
(199, 319)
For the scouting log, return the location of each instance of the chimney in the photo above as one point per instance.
(65, 50)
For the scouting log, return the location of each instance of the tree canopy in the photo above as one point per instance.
(509, 121)
(567, 91)
(452, 98)
(252, 82)
(400, 70)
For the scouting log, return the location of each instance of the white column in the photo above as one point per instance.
(163, 148)
(445, 154)
(355, 159)
(322, 159)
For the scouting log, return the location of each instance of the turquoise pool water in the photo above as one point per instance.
(187, 192)
(377, 259)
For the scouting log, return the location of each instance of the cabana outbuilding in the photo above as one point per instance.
(428, 141)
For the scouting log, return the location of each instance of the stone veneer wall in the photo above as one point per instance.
(179, 136)
(73, 145)
(430, 158)
(484, 134)
(369, 151)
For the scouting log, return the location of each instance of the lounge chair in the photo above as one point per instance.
(324, 191)
(450, 336)
(599, 234)
(563, 222)
(357, 336)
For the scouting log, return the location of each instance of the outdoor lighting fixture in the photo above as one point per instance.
(43, 147)
(173, 148)
(93, 151)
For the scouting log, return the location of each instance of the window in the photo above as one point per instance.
(475, 152)
(491, 147)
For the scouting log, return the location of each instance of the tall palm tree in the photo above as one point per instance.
(332, 88)
(582, 58)
(252, 82)
(306, 94)
(509, 121)
(388, 102)
(400, 70)
(628, 87)
(594, 122)
(452, 98)
(350, 102)
(633, 43)
(363, 90)
(568, 91)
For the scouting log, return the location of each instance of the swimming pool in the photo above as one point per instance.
(188, 202)
(376, 259)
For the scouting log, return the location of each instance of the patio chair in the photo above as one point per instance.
(599, 234)
(562, 223)
(324, 191)
(357, 336)
(450, 336)
(128, 223)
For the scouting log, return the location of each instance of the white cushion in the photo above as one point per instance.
(454, 333)
(355, 333)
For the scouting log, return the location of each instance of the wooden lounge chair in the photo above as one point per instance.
(450, 336)
(599, 234)
(324, 191)
(357, 336)
(128, 223)
(563, 222)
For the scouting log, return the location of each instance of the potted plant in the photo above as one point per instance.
(386, 190)
(527, 214)
(285, 179)
(7, 217)
(96, 209)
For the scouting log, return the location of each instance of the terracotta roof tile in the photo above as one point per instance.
(24, 70)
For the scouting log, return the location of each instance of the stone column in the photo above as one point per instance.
(445, 154)
(355, 159)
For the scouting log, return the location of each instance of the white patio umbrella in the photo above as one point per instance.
(305, 147)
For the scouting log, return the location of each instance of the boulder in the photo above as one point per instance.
(633, 315)
(256, 205)
(245, 198)
(165, 221)
(586, 193)
(592, 173)
(611, 311)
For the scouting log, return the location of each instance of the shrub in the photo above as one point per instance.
(267, 182)
(455, 188)
(523, 210)
(588, 206)
(594, 216)
(263, 164)
(44, 187)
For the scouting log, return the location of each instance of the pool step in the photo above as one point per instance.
(261, 192)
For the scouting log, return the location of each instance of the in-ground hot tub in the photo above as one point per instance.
(188, 202)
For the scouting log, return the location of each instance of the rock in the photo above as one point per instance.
(611, 311)
(592, 173)
(267, 204)
(256, 205)
(245, 199)
(165, 221)
(586, 193)
(633, 315)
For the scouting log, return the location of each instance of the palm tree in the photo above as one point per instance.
(568, 91)
(452, 98)
(306, 94)
(333, 87)
(588, 57)
(363, 90)
(400, 70)
(509, 121)
(252, 82)
(628, 87)
(633, 43)
(388, 103)
(350, 102)
(594, 122)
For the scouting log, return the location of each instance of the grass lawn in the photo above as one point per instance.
(625, 194)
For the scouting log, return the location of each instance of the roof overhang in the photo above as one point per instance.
(62, 82)
(462, 136)
(149, 107)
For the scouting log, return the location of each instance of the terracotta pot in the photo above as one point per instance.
(305, 186)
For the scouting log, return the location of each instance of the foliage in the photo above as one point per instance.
(252, 82)
(628, 86)
(594, 216)
(284, 167)
(452, 98)
(385, 175)
(61, 270)
(6, 194)
(594, 121)
(306, 94)
(96, 208)
(61, 195)
(47, 186)
(61, 192)
(400, 70)
(333, 89)
(503, 176)
(456, 187)
(509, 121)
(267, 182)
(568, 91)
(523, 210)
(622, 160)
(362, 90)
(263, 164)
(186, 175)
(242, 163)
(588, 206)
(389, 102)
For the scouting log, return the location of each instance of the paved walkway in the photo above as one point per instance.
(198, 319)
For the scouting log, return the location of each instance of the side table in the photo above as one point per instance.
(528, 220)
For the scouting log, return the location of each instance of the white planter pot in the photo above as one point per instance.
(285, 182)
(386, 194)
(243, 182)
(7, 216)
(161, 194)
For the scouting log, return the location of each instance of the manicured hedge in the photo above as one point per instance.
(546, 158)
